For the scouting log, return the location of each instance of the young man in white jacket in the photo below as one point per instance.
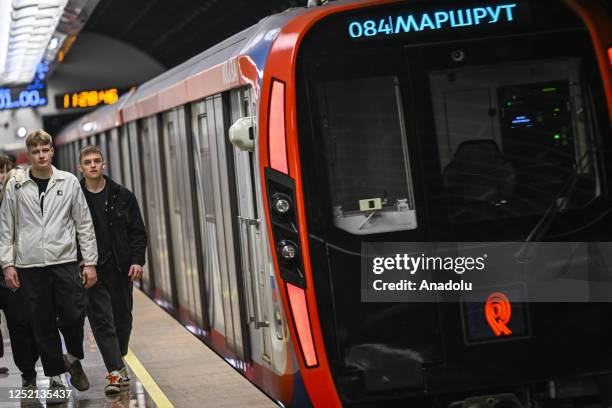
(42, 212)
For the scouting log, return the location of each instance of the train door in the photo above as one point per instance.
(76, 148)
(158, 230)
(71, 157)
(101, 140)
(256, 285)
(59, 158)
(126, 170)
(114, 156)
(179, 199)
(213, 175)
(132, 157)
(67, 164)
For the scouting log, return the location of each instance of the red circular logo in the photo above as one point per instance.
(498, 311)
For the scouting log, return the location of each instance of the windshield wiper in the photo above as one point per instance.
(367, 219)
(541, 228)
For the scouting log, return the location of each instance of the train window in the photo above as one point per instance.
(513, 139)
(366, 155)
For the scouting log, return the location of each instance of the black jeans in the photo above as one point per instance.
(120, 287)
(100, 313)
(23, 343)
(56, 298)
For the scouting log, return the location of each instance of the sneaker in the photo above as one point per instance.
(121, 400)
(57, 392)
(78, 378)
(125, 379)
(114, 383)
(28, 381)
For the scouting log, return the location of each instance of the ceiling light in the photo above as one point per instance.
(24, 12)
(20, 30)
(22, 132)
(53, 43)
(26, 30)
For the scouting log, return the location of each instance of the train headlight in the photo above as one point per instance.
(288, 250)
(281, 204)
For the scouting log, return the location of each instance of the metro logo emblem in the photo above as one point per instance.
(498, 311)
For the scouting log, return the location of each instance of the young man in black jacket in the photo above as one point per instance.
(122, 242)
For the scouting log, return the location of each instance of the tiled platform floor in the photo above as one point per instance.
(185, 371)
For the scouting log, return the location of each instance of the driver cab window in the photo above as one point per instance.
(366, 155)
(513, 140)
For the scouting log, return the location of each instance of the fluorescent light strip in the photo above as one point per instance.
(5, 24)
(26, 28)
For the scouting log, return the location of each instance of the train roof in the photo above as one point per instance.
(212, 71)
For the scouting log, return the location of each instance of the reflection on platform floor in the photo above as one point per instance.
(168, 366)
(135, 396)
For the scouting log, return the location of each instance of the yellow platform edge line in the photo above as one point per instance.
(147, 381)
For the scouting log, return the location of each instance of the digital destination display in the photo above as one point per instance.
(442, 19)
(31, 96)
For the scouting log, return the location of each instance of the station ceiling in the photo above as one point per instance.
(172, 31)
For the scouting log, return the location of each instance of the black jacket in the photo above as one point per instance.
(129, 237)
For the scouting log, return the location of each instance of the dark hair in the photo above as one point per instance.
(89, 149)
(6, 162)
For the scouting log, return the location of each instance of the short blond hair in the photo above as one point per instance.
(38, 137)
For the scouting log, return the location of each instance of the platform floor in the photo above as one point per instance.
(169, 367)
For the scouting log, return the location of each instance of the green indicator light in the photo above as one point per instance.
(557, 109)
(508, 103)
(557, 136)
(549, 89)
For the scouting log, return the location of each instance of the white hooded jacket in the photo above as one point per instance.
(31, 238)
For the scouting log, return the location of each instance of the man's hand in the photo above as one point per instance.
(89, 276)
(11, 278)
(135, 272)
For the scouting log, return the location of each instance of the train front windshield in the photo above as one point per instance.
(510, 141)
(450, 136)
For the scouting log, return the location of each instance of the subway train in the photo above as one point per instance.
(264, 163)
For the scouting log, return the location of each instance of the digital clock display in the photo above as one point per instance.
(32, 96)
(87, 99)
